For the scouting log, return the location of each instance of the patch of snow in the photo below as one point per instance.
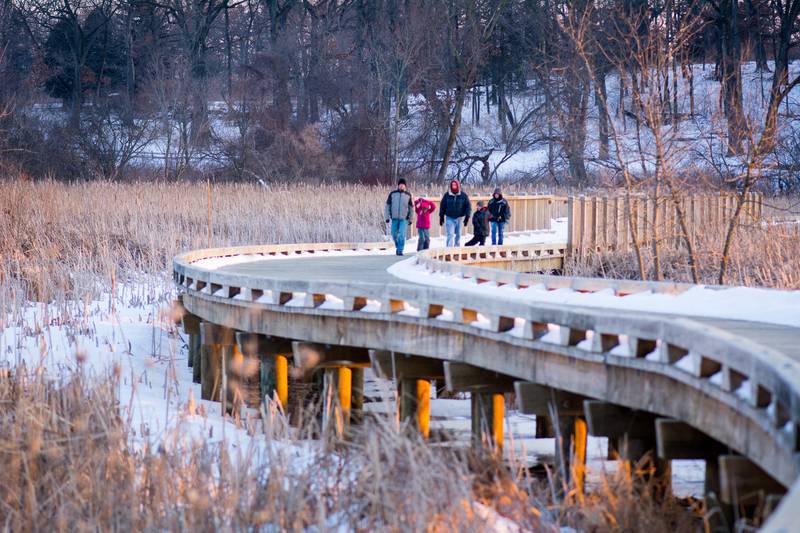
(745, 392)
(687, 363)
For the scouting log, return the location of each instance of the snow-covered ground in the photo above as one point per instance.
(131, 335)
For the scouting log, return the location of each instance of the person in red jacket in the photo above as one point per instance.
(423, 208)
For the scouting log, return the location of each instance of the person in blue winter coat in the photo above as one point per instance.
(454, 210)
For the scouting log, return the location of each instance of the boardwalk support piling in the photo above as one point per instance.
(636, 431)
(215, 340)
(415, 403)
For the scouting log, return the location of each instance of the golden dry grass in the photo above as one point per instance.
(69, 461)
(69, 464)
(767, 256)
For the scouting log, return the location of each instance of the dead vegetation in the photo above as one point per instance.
(70, 462)
(761, 256)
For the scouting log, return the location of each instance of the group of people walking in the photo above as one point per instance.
(455, 210)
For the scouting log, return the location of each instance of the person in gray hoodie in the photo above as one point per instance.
(397, 212)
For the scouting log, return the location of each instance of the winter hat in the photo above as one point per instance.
(401, 181)
(480, 203)
(497, 191)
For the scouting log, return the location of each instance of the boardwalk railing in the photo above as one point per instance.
(616, 223)
(484, 265)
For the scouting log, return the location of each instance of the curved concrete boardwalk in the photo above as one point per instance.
(369, 268)
(372, 268)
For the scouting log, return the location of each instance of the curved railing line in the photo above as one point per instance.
(760, 383)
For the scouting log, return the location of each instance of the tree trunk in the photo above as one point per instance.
(575, 131)
(731, 75)
(600, 98)
(451, 138)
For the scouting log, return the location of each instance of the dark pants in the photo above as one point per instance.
(424, 241)
(477, 239)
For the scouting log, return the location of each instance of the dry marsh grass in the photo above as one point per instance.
(761, 256)
(70, 462)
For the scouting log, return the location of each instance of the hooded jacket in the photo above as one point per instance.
(480, 222)
(455, 205)
(499, 209)
(423, 208)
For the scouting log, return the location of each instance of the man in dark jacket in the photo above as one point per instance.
(480, 224)
(454, 206)
(397, 211)
(499, 214)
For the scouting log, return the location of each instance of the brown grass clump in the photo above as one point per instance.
(766, 256)
(69, 464)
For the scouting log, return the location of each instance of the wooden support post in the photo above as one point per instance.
(331, 409)
(424, 407)
(357, 407)
(234, 387)
(678, 440)
(544, 427)
(214, 339)
(570, 447)
(265, 357)
(570, 451)
(282, 380)
(191, 325)
(580, 439)
(195, 346)
(345, 390)
(414, 398)
(637, 433)
(488, 410)
(498, 417)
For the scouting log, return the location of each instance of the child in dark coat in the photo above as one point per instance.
(480, 225)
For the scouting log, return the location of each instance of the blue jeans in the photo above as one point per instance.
(399, 233)
(424, 241)
(453, 227)
(497, 231)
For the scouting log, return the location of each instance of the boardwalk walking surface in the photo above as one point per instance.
(373, 268)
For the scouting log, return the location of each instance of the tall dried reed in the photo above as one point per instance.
(763, 256)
